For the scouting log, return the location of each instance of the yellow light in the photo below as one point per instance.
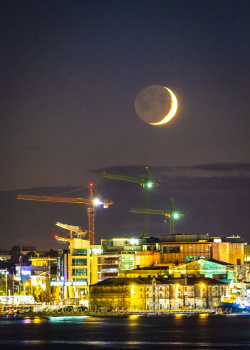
(96, 201)
(172, 111)
(132, 290)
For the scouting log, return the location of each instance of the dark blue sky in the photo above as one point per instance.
(71, 70)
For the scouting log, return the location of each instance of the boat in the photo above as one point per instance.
(237, 298)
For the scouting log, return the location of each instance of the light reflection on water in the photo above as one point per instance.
(149, 332)
(193, 345)
(64, 319)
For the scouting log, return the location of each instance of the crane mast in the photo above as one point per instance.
(91, 216)
(90, 203)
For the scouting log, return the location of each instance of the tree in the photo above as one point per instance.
(15, 254)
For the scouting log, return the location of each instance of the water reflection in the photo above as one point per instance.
(66, 319)
(134, 331)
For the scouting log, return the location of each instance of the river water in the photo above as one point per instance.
(131, 332)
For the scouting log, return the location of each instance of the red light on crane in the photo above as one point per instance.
(56, 236)
(91, 185)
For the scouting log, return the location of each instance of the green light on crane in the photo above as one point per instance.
(176, 215)
(145, 182)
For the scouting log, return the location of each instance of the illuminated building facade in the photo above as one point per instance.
(202, 268)
(28, 276)
(181, 248)
(118, 256)
(145, 294)
(74, 271)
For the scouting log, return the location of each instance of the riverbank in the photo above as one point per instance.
(112, 313)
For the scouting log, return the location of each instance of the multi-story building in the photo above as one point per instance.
(41, 271)
(74, 271)
(203, 268)
(180, 248)
(118, 255)
(141, 294)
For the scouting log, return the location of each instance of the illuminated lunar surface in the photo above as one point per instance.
(156, 105)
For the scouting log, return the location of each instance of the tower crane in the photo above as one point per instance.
(172, 214)
(146, 183)
(72, 229)
(90, 203)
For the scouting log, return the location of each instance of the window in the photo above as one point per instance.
(79, 262)
(171, 249)
(79, 252)
(79, 272)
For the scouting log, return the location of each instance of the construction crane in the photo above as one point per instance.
(145, 182)
(76, 229)
(172, 214)
(90, 203)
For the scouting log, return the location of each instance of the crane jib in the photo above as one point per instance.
(54, 199)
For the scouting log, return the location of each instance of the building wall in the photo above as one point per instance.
(144, 258)
(109, 297)
(79, 266)
(184, 252)
(220, 251)
(94, 268)
(228, 252)
(236, 252)
(155, 296)
(74, 268)
(108, 266)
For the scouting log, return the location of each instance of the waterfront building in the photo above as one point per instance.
(118, 256)
(28, 276)
(181, 248)
(156, 293)
(74, 271)
(202, 268)
(121, 254)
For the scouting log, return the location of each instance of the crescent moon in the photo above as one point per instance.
(172, 111)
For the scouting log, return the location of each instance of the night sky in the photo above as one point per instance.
(70, 73)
